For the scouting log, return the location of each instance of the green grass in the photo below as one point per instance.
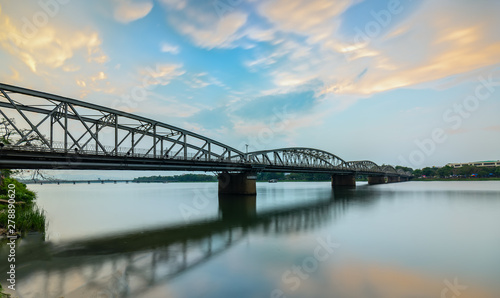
(30, 219)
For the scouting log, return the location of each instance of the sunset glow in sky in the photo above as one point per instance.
(408, 82)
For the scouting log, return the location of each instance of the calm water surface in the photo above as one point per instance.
(403, 240)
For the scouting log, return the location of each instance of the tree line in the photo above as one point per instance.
(178, 178)
(293, 176)
(464, 171)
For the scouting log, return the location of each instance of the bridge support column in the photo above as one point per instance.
(392, 179)
(343, 180)
(238, 183)
(372, 180)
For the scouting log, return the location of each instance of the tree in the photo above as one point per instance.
(406, 169)
(429, 172)
(484, 172)
(497, 171)
(417, 173)
(268, 176)
(467, 170)
(8, 134)
(445, 171)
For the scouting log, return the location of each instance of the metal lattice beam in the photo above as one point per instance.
(55, 131)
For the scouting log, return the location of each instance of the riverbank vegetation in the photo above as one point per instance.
(429, 173)
(213, 178)
(29, 218)
(465, 172)
(293, 177)
(260, 177)
(178, 178)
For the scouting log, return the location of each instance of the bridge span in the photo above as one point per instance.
(47, 131)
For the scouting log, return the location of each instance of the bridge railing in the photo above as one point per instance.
(123, 152)
(263, 160)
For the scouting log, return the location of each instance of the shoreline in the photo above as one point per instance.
(457, 179)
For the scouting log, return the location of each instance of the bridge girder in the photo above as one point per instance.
(298, 157)
(56, 130)
(61, 124)
(364, 166)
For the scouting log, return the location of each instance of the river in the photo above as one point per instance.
(304, 240)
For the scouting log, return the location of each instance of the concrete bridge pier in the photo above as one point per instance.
(243, 183)
(372, 180)
(392, 179)
(343, 180)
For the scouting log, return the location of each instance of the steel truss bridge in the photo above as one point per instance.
(56, 132)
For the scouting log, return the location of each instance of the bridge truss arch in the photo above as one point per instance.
(296, 157)
(389, 169)
(364, 166)
(53, 132)
(51, 123)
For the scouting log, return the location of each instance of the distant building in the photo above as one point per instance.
(487, 164)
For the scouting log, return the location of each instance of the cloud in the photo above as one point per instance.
(49, 47)
(202, 80)
(448, 45)
(65, 59)
(259, 34)
(168, 48)
(220, 35)
(127, 11)
(432, 43)
(175, 4)
(200, 22)
(277, 116)
(162, 74)
(317, 19)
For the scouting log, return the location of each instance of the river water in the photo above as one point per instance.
(305, 240)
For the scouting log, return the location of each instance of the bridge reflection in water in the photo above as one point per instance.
(129, 265)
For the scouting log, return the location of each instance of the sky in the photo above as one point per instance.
(410, 82)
